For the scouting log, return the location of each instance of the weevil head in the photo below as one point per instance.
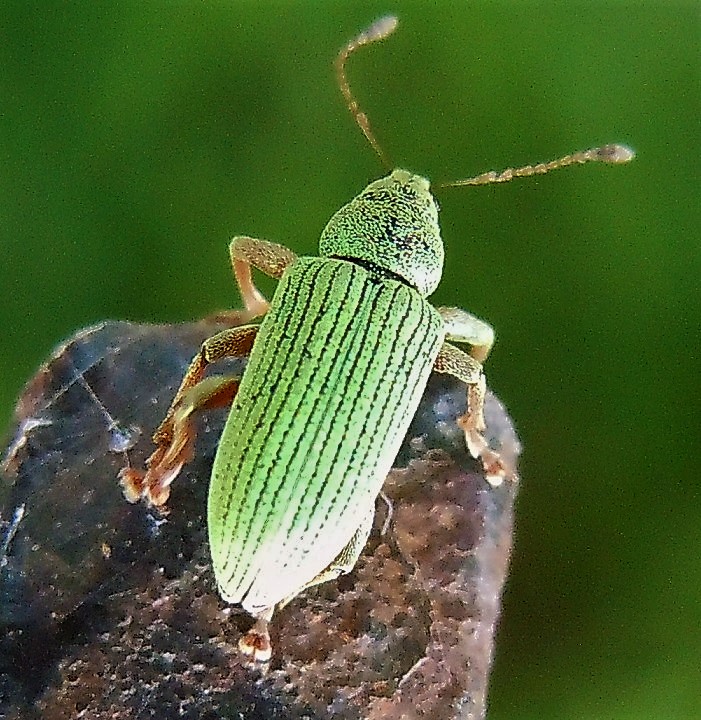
(392, 225)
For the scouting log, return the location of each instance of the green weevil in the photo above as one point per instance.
(335, 373)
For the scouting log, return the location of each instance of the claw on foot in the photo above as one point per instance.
(255, 644)
(153, 485)
(136, 486)
(132, 483)
(496, 470)
(175, 447)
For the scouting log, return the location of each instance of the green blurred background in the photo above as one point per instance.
(137, 138)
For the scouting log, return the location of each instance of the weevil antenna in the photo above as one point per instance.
(608, 153)
(379, 30)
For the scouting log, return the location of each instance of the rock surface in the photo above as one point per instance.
(108, 610)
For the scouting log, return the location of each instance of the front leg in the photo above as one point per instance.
(268, 257)
(175, 436)
(466, 368)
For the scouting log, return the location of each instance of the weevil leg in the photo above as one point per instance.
(466, 368)
(166, 461)
(256, 644)
(266, 256)
(390, 512)
(464, 327)
(175, 436)
(233, 342)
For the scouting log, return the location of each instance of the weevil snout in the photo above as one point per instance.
(409, 182)
(393, 225)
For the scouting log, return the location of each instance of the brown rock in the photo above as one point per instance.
(109, 610)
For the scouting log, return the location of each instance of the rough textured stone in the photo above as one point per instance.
(109, 610)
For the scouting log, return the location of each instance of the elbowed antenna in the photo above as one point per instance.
(379, 30)
(385, 26)
(608, 153)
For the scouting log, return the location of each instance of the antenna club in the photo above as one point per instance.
(379, 30)
(615, 153)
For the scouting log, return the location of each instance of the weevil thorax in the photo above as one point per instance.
(393, 226)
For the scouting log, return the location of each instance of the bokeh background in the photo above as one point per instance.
(137, 138)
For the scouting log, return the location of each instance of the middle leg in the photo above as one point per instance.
(464, 327)
(175, 436)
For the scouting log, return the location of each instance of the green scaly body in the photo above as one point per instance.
(335, 375)
(334, 379)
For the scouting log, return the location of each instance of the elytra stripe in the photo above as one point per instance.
(248, 420)
(282, 381)
(333, 331)
(354, 362)
(260, 373)
(394, 388)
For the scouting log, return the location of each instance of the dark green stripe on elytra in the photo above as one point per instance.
(393, 389)
(299, 339)
(279, 379)
(298, 305)
(365, 329)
